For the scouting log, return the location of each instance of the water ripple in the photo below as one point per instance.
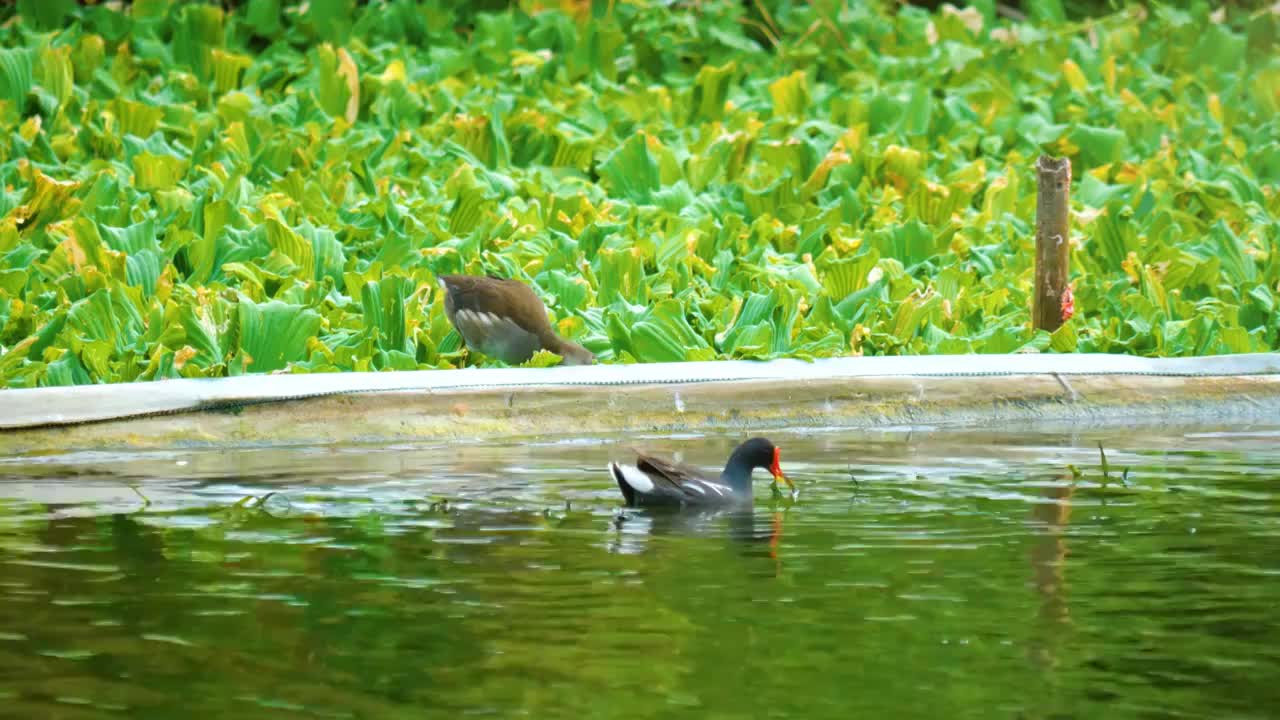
(986, 574)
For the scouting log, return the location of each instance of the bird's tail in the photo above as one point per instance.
(628, 492)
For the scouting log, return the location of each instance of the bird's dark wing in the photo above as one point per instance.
(673, 473)
(684, 482)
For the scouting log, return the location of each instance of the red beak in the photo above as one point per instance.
(776, 470)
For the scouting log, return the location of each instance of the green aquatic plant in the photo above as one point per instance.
(190, 191)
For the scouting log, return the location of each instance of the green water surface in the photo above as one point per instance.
(918, 575)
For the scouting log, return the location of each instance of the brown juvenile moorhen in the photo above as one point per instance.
(504, 319)
(653, 481)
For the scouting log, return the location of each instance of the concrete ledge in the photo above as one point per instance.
(477, 404)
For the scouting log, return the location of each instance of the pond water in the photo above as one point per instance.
(920, 574)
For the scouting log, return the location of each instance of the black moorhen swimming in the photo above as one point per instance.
(653, 481)
(504, 319)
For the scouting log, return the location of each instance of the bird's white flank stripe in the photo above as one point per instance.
(718, 488)
(696, 486)
(637, 480)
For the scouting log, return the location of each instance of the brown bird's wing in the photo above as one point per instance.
(494, 316)
(496, 313)
(512, 299)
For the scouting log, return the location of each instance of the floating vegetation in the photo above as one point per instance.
(188, 191)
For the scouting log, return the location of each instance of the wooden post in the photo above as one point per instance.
(1053, 240)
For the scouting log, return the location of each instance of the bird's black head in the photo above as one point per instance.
(755, 453)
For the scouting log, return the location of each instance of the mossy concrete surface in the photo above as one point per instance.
(675, 397)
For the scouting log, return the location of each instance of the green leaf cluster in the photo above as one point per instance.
(191, 191)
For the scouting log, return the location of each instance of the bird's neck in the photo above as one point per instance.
(737, 472)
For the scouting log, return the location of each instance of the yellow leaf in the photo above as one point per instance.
(284, 239)
(1168, 114)
(1237, 147)
(184, 355)
(56, 72)
(395, 72)
(1132, 266)
(237, 140)
(47, 200)
(818, 179)
(1215, 108)
(88, 56)
(31, 128)
(1101, 172)
(74, 252)
(902, 166)
(542, 359)
(339, 84)
(158, 172)
(521, 59)
(852, 140)
(1128, 174)
(164, 285)
(139, 119)
(1131, 100)
(790, 94)
(842, 244)
(571, 326)
(1074, 76)
(227, 69)
(347, 69)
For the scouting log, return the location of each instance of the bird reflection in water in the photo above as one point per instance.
(752, 533)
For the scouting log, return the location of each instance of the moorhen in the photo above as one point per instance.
(505, 320)
(653, 481)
